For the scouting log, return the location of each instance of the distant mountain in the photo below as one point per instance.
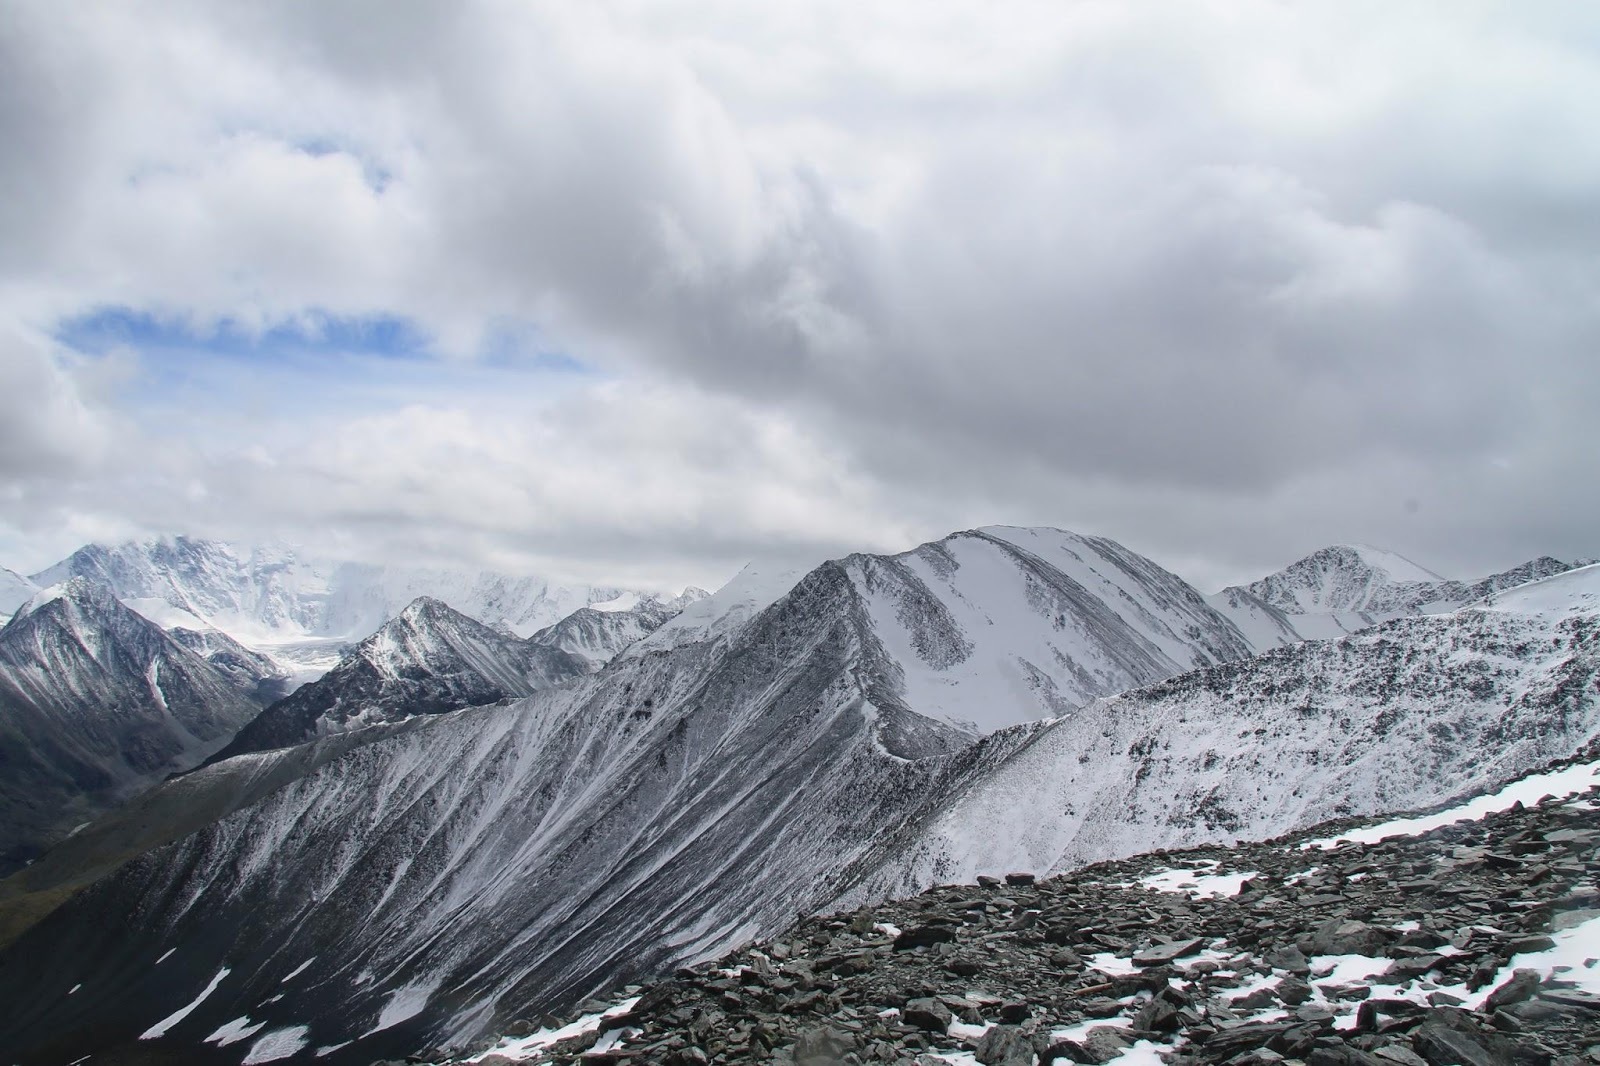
(596, 636)
(274, 593)
(1341, 578)
(1346, 588)
(427, 660)
(96, 702)
(259, 675)
(15, 590)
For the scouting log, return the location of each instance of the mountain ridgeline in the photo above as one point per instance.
(96, 703)
(428, 660)
(1003, 698)
(277, 593)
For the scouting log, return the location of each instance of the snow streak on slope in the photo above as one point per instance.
(266, 594)
(1401, 716)
(96, 702)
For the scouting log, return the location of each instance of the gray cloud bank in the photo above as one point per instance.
(1223, 282)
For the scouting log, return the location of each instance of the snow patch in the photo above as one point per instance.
(278, 1044)
(1199, 882)
(405, 1002)
(1562, 783)
(159, 1029)
(235, 1031)
(526, 1047)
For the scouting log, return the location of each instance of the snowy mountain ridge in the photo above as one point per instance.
(1402, 715)
(15, 590)
(517, 858)
(598, 633)
(428, 659)
(267, 594)
(95, 703)
(1346, 588)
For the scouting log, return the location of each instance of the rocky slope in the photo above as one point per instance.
(260, 675)
(95, 703)
(596, 636)
(691, 796)
(1471, 943)
(270, 594)
(427, 660)
(1346, 588)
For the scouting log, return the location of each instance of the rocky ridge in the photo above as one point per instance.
(1346, 588)
(597, 636)
(96, 703)
(1467, 945)
(429, 659)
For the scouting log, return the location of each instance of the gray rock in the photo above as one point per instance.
(821, 1046)
(1522, 985)
(1161, 954)
(928, 1014)
(1004, 1045)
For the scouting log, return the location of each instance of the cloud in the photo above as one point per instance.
(1226, 284)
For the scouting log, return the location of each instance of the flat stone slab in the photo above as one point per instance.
(1161, 954)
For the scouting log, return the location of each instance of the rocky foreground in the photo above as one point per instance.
(1469, 945)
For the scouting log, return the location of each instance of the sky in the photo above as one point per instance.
(637, 292)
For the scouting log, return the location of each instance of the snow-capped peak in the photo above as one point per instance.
(1576, 591)
(1343, 577)
(15, 590)
(1392, 564)
(269, 594)
(79, 592)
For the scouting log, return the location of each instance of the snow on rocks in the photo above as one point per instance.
(1560, 782)
(1473, 942)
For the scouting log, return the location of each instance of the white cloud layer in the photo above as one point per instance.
(1224, 281)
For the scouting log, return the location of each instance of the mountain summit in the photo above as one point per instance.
(429, 659)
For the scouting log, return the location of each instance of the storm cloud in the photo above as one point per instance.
(701, 282)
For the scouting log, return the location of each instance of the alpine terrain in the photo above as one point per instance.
(97, 703)
(1020, 699)
(597, 634)
(428, 660)
(272, 594)
(1345, 588)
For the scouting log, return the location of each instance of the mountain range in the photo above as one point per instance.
(273, 593)
(1002, 698)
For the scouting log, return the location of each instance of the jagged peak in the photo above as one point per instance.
(1390, 564)
(78, 591)
(428, 607)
